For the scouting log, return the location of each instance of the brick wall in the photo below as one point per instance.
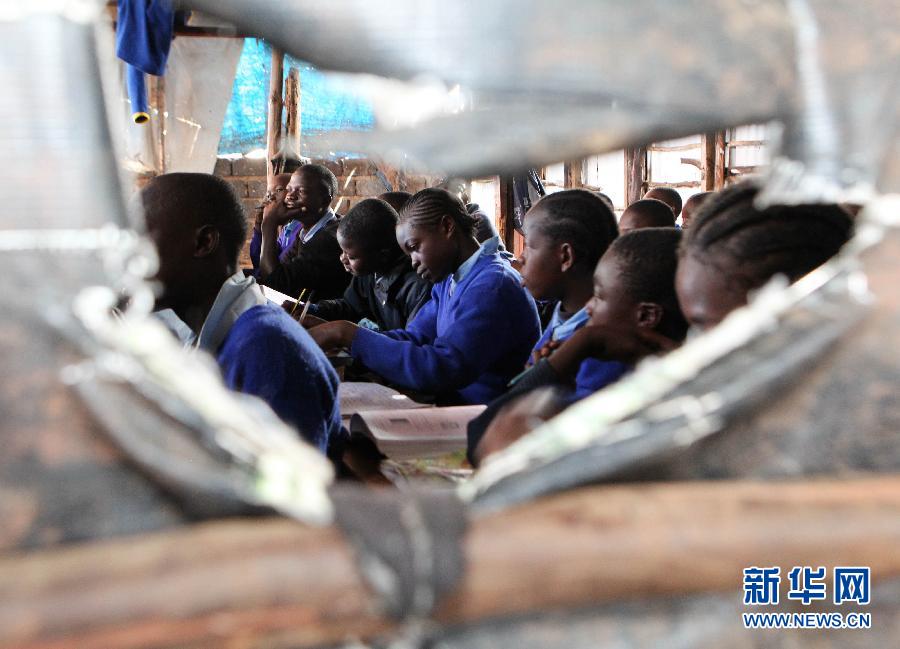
(357, 180)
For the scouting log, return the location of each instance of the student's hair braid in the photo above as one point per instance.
(427, 207)
(728, 231)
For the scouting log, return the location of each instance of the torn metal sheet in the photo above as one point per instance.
(782, 388)
(549, 82)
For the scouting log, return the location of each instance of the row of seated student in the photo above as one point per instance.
(428, 308)
(294, 244)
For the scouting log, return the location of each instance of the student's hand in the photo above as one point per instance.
(276, 213)
(608, 343)
(624, 344)
(311, 321)
(334, 335)
(517, 420)
(295, 311)
(545, 351)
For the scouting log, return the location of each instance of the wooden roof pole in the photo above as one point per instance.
(273, 124)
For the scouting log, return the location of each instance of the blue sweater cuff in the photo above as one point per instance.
(361, 341)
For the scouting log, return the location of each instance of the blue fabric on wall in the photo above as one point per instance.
(322, 107)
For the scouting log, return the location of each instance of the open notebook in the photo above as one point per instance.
(422, 433)
(400, 427)
(358, 397)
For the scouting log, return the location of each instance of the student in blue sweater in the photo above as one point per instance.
(633, 313)
(198, 227)
(566, 233)
(479, 327)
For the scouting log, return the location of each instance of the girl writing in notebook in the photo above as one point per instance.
(479, 327)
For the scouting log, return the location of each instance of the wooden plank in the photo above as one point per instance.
(681, 183)
(273, 583)
(739, 143)
(573, 174)
(273, 123)
(675, 147)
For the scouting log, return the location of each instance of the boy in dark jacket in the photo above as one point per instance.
(385, 291)
(314, 260)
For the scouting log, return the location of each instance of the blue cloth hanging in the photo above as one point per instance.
(144, 31)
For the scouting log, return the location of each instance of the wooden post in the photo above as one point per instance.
(719, 178)
(572, 173)
(292, 121)
(635, 173)
(504, 212)
(708, 162)
(273, 125)
(159, 100)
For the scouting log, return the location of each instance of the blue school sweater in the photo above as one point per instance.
(465, 344)
(267, 354)
(593, 374)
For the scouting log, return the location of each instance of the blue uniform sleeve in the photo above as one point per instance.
(418, 358)
(299, 387)
(255, 247)
(595, 374)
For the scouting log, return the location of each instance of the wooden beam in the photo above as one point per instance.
(573, 174)
(291, 144)
(296, 127)
(708, 162)
(503, 208)
(273, 124)
(719, 172)
(273, 583)
(635, 174)
(159, 97)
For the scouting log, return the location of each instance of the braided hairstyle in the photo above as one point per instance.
(426, 209)
(750, 245)
(581, 219)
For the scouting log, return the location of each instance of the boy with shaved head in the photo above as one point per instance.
(646, 213)
(667, 195)
(198, 227)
